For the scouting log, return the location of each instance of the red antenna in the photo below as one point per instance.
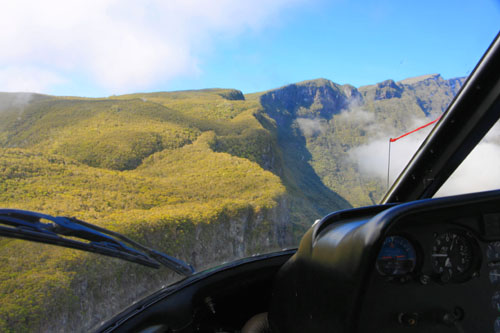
(402, 136)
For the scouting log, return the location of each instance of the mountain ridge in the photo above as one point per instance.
(204, 175)
(327, 134)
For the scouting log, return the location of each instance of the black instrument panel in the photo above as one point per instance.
(425, 266)
(454, 284)
(444, 253)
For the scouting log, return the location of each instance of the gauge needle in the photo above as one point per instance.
(439, 255)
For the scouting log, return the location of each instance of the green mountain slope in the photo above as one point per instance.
(207, 176)
(154, 173)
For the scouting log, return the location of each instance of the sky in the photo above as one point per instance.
(103, 47)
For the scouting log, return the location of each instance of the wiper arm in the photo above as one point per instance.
(28, 225)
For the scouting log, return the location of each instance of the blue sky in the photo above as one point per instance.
(99, 48)
(360, 44)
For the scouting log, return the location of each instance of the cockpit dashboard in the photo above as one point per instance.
(429, 266)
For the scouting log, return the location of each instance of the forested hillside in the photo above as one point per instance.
(206, 175)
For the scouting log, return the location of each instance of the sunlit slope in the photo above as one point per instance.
(125, 129)
(120, 132)
(162, 204)
(191, 175)
(101, 133)
(134, 153)
(200, 185)
(206, 104)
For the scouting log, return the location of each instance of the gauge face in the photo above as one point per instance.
(397, 257)
(451, 256)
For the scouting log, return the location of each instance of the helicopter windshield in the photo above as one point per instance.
(475, 172)
(207, 131)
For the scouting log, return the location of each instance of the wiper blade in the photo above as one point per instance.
(29, 226)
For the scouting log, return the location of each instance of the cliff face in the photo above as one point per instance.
(315, 98)
(239, 235)
(233, 235)
(324, 98)
(431, 92)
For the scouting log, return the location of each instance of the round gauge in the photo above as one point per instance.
(397, 257)
(493, 251)
(451, 256)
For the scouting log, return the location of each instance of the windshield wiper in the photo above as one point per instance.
(29, 226)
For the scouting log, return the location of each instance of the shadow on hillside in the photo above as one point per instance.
(310, 198)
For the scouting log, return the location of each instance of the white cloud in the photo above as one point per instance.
(123, 45)
(310, 127)
(480, 171)
(357, 115)
(373, 157)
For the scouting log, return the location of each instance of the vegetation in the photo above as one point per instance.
(138, 167)
(179, 171)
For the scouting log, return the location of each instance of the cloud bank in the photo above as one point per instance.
(479, 172)
(311, 127)
(121, 46)
(373, 157)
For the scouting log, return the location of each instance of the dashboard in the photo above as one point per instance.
(425, 266)
(436, 275)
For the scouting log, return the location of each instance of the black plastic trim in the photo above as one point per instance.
(119, 321)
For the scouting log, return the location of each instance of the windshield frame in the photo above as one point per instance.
(471, 114)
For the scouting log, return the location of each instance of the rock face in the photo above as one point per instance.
(324, 98)
(388, 89)
(299, 108)
(232, 236)
(315, 98)
(431, 92)
(241, 235)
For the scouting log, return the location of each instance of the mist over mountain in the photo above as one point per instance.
(331, 126)
(205, 175)
(17, 101)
